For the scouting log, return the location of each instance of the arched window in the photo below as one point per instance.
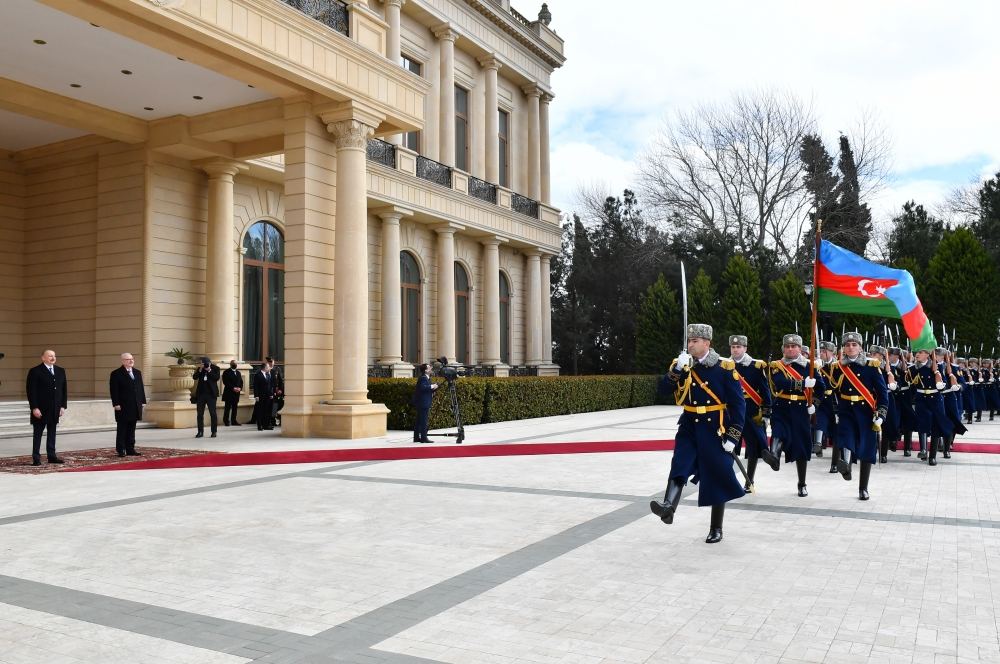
(504, 319)
(409, 284)
(263, 293)
(462, 317)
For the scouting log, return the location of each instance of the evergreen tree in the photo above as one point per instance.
(915, 235)
(987, 227)
(703, 305)
(789, 310)
(572, 308)
(853, 229)
(658, 328)
(741, 305)
(823, 186)
(962, 283)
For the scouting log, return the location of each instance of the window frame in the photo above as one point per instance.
(266, 268)
(463, 163)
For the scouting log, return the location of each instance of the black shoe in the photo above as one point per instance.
(770, 459)
(947, 454)
(819, 452)
(56, 460)
(714, 536)
(802, 491)
(121, 454)
(237, 424)
(863, 494)
(36, 462)
(134, 453)
(906, 453)
(213, 434)
(844, 469)
(663, 510)
(922, 456)
(225, 424)
(932, 461)
(746, 487)
(894, 446)
(940, 445)
(425, 440)
(883, 459)
(199, 434)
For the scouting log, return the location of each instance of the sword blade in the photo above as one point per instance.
(684, 306)
(753, 488)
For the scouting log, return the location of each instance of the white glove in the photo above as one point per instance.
(811, 409)
(728, 445)
(809, 381)
(956, 388)
(939, 385)
(892, 387)
(877, 421)
(683, 360)
(818, 363)
(836, 419)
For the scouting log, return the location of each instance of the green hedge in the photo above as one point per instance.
(485, 400)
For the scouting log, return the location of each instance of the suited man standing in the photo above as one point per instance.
(46, 390)
(263, 389)
(206, 392)
(423, 397)
(232, 388)
(128, 396)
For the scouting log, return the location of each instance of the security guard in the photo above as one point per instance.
(862, 405)
(795, 394)
(928, 404)
(757, 396)
(903, 398)
(708, 387)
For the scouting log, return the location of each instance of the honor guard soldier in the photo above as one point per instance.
(991, 371)
(862, 404)
(971, 392)
(708, 387)
(902, 397)
(928, 405)
(757, 396)
(890, 427)
(793, 391)
(826, 411)
(952, 399)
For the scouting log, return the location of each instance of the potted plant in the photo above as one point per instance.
(179, 354)
(181, 381)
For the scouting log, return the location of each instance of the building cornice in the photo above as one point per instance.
(519, 32)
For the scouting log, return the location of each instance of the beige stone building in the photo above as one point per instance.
(349, 186)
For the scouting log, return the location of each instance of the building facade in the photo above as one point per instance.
(350, 187)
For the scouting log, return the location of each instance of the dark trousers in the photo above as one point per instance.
(125, 437)
(229, 412)
(209, 402)
(263, 413)
(36, 440)
(420, 428)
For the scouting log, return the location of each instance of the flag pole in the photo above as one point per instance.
(813, 348)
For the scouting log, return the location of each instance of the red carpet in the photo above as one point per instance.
(437, 451)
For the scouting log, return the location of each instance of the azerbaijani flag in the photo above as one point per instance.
(847, 283)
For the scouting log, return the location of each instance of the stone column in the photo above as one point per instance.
(350, 301)
(533, 305)
(544, 149)
(220, 285)
(446, 121)
(491, 301)
(392, 315)
(446, 292)
(545, 310)
(492, 67)
(534, 143)
(392, 46)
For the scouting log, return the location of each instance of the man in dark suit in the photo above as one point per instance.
(46, 389)
(232, 382)
(128, 396)
(206, 391)
(278, 382)
(263, 389)
(423, 397)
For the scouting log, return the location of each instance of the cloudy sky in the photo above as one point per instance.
(927, 70)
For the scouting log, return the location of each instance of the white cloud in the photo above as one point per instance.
(576, 165)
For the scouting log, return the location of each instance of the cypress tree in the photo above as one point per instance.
(962, 283)
(789, 308)
(703, 305)
(658, 328)
(741, 306)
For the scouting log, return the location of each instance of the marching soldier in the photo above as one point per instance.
(928, 405)
(890, 427)
(793, 391)
(990, 386)
(903, 398)
(971, 394)
(708, 387)
(952, 400)
(757, 395)
(862, 405)
(826, 412)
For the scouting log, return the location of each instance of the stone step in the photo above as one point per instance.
(25, 431)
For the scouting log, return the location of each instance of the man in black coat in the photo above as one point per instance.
(423, 397)
(46, 390)
(232, 382)
(128, 396)
(263, 389)
(206, 392)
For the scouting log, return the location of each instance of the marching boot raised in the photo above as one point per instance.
(671, 499)
(772, 457)
(866, 472)
(800, 466)
(715, 527)
(844, 463)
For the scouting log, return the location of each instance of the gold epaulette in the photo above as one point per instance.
(872, 362)
(775, 364)
(760, 364)
(727, 364)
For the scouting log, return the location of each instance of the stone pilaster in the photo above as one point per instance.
(534, 142)
(546, 188)
(446, 122)
(392, 314)
(533, 308)
(545, 310)
(492, 67)
(446, 292)
(491, 301)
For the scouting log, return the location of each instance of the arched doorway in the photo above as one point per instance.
(409, 284)
(504, 319)
(462, 315)
(263, 293)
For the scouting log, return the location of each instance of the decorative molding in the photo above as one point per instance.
(350, 134)
(490, 62)
(444, 32)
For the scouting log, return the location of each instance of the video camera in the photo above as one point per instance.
(443, 369)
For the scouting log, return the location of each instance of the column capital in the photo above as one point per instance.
(545, 258)
(350, 134)
(546, 97)
(447, 228)
(532, 90)
(490, 62)
(395, 3)
(219, 167)
(492, 241)
(531, 253)
(346, 118)
(445, 32)
(391, 213)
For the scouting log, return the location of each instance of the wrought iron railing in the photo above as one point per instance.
(433, 171)
(524, 205)
(523, 371)
(331, 13)
(482, 189)
(382, 152)
(379, 372)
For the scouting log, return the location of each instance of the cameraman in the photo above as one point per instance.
(206, 391)
(422, 399)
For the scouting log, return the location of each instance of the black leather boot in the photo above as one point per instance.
(922, 454)
(844, 464)
(907, 443)
(979, 416)
(940, 444)
(800, 466)
(948, 442)
(933, 446)
(818, 443)
(834, 455)
(883, 456)
(666, 509)
(715, 527)
(772, 456)
(751, 471)
(866, 472)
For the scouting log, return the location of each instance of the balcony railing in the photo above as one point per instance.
(519, 17)
(524, 205)
(382, 152)
(482, 190)
(331, 13)
(433, 171)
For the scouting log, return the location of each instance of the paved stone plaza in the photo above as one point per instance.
(547, 559)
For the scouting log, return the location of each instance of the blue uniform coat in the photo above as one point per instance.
(790, 419)
(826, 411)
(928, 403)
(754, 372)
(855, 430)
(953, 400)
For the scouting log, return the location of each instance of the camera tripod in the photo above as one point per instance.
(456, 411)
